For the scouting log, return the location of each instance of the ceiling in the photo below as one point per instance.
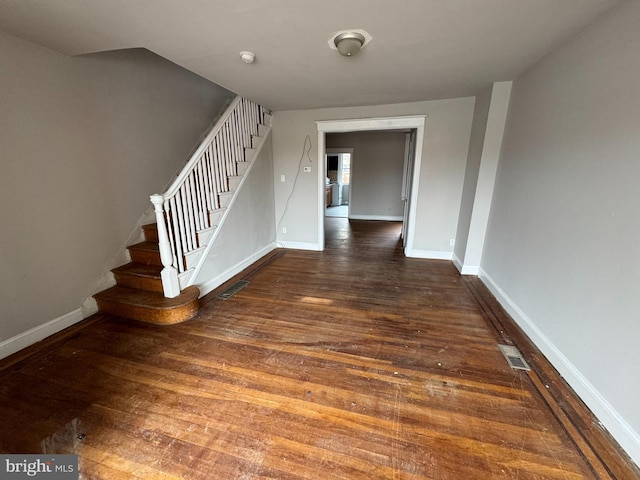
(421, 49)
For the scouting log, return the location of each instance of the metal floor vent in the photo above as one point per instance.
(233, 289)
(514, 357)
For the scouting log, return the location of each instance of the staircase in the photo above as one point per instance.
(138, 292)
(157, 285)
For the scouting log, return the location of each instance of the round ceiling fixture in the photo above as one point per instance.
(349, 42)
(247, 57)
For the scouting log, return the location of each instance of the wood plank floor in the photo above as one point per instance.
(352, 363)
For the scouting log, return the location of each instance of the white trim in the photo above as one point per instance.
(387, 218)
(470, 270)
(464, 269)
(302, 246)
(625, 435)
(322, 191)
(456, 262)
(365, 124)
(218, 280)
(429, 254)
(25, 339)
(415, 186)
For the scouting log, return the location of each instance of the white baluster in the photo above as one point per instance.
(224, 156)
(169, 274)
(175, 235)
(218, 170)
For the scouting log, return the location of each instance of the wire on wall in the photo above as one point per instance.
(306, 148)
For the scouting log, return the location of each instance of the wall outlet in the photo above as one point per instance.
(282, 178)
(452, 242)
(284, 229)
(307, 169)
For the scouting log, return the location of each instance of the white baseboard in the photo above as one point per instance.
(218, 280)
(624, 434)
(470, 270)
(456, 262)
(28, 338)
(429, 254)
(300, 246)
(464, 269)
(385, 218)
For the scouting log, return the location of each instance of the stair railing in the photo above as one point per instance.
(187, 207)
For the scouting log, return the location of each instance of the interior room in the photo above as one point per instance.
(398, 246)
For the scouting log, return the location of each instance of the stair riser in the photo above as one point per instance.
(149, 315)
(234, 183)
(244, 166)
(216, 216)
(141, 283)
(150, 233)
(225, 199)
(145, 257)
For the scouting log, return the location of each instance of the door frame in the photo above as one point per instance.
(407, 177)
(416, 122)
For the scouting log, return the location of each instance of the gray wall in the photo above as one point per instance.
(561, 248)
(376, 171)
(476, 143)
(472, 236)
(444, 156)
(84, 141)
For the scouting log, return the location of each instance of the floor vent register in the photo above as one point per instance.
(514, 357)
(233, 289)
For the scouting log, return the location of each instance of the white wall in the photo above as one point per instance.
(376, 172)
(476, 143)
(473, 234)
(444, 154)
(561, 248)
(84, 141)
(248, 232)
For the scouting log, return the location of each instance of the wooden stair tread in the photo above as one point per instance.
(142, 298)
(139, 269)
(149, 307)
(145, 245)
(138, 294)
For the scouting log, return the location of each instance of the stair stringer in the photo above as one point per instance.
(198, 257)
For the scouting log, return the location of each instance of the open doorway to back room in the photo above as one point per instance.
(368, 176)
(413, 133)
(338, 163)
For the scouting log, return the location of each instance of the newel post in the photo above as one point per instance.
(170, 282)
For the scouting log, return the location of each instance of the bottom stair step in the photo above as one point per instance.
(138, 275)
(151, 307)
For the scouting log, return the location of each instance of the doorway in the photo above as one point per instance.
(411, 178)
(338, 162)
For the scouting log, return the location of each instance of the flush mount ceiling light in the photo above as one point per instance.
(349, 42)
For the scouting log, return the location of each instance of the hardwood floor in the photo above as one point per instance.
(350, 363)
